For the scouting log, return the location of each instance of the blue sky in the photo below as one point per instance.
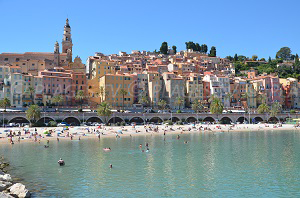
(233, 26)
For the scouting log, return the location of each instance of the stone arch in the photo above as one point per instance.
(94, 119)
(19, 120)
(72, 121)
(242, 119)
(115, 120)
(156, 120)
(175, 119)
(208, 119)
(273, 119)
(226, 120)
(258, 119)
(191, 119)
(137, 120)
(45, 119)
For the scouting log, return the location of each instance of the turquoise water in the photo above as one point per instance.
(247, 164)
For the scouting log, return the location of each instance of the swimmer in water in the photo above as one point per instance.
(110, 166)
(185, 142)
(141, 146)
(178, 137)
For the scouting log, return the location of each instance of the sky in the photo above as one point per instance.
(245, 27)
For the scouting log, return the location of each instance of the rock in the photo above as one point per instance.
(4, 185)
(4, 195)
(5, 177)
(19, 190)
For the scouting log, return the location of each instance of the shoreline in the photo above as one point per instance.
(127, 131)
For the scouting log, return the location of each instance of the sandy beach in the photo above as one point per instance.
(84, 132)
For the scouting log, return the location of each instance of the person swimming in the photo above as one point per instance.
(61, 162)
(141, 146)
(178, 137)
(110, 166)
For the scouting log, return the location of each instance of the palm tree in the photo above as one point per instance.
(229, 96)
(162, 104)
(33, 113)
(263, 108)
(179, 101)
(123, 92)
(262, 98)
(275, 109)
(143, 99)
(5, 102)
(216, 107)
(58, 99)
(80, 97)
(245, 96)
(31, 91)
(197, 106)
(104, 110)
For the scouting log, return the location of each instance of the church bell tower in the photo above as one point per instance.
(67, 41)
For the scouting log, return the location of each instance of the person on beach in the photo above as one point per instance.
(79, 138)
(57, 139)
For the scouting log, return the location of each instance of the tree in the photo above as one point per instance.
(33, 113)
(254, 57)
(229, 96)
(104, 110)
(123, 92)
(296, 59)
(235, 58)
(263, 108)
(197, 106)
(80, 97)
(275, 109)
(197, 47)
(31, 91)
(179, 101)
(190, 45)
(204, 48)
(164, 48)
(143, 99)
(58, 99)
(216, 106)
(284, 53)
(212, 97)
(174, 49)
(162, 104)
(213, 52)
(5, 102)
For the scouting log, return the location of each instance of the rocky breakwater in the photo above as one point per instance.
(9, 189)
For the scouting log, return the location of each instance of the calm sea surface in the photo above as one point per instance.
(246, 164)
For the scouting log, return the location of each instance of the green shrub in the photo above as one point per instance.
(293, 111)
(178, 111)
(179, 123)
(80, 110)
(123, 123)
(52, 124)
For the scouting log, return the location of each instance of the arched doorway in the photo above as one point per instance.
(191, 119)
(208, 119)
(137, 120)
(94, 119)
(156, 120)
(19, 120)
(45, 120)
(242, 120)
(258, 119)
(72, 121)
(273, 120)
(226, 120)
(115, 120)
(175, 119)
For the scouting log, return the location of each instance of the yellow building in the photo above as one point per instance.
(194, 88)
(113, 84)
(102, 67)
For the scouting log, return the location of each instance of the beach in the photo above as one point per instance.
(34, 134)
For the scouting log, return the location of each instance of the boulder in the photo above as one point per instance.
(4, 185)
(5, 177)
(19, 190)
(5, 195)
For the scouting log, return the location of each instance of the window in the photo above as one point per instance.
(6, 59)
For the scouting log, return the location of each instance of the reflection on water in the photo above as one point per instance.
(210, 165)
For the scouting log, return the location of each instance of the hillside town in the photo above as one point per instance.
(172, 80)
